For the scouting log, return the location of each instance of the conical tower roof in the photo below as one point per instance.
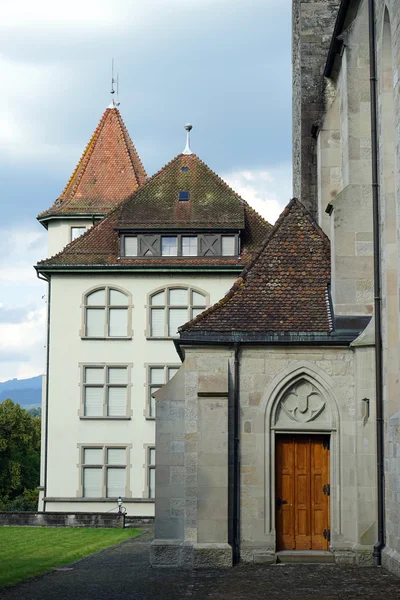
(109, 171)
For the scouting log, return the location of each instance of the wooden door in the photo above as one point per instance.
(302, 492)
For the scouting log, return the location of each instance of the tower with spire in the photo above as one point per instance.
(108, 171)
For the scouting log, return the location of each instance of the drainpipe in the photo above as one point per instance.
(236, 460)
(46, 427)
(377, 288)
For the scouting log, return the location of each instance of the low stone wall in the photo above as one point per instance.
(61, 519)
(139, 522)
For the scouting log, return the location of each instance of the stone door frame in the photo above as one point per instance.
(271, 398)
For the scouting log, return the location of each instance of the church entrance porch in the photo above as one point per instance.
(302, 476)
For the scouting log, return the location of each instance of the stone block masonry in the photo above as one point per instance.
(313, 24)
(59, 519)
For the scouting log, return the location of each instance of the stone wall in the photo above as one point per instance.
(313, 23)
(60, 519)
(192, 503)
(192, 485)
(388, 42)
(344, 169)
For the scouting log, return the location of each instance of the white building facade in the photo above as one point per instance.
(117, 295)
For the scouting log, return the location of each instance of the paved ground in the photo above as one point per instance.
(123, 573)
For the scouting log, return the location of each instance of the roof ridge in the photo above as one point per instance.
(294, 202)
(84, 159)
(129, 145)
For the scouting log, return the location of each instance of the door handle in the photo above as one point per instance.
(279, 502)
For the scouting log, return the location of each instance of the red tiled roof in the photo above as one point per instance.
(284, 287)
(108, 172)
(212, 202)
(155, 205)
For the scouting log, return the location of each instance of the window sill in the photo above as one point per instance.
(113, 500)
(85, 337)
(84, 418)
(148, 418)
(150, 337)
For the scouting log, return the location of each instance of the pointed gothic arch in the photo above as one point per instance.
(304, 381)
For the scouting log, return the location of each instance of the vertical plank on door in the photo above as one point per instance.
(319, 500)
(302, 494)
(285, 491)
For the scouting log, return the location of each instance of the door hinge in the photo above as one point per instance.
(327, 489)
(327, 534)
(326, 443)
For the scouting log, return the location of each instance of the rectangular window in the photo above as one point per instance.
(95, 318)
(77, 232)
(157, 322)
(184, 196)
(130, 246)
(169, 246)
(228, 245)
(104, 472)
(157, 376)
(105, 391)
(176, 318)
(151, 470)
(117, 322)
(189, 245)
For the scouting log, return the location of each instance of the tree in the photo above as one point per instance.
(19, 451)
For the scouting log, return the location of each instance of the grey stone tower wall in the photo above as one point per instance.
(312, 29)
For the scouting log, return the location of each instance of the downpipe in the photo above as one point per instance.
(380, 544)
(236, 459)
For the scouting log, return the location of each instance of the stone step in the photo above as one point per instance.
(304, 557)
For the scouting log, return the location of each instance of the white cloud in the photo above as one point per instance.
(267, 190)
(22, 344)
(22, 136)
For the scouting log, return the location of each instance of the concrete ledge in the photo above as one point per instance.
(257, 555)
(212, 555)
(175, 553)
(165, 553)
(359, 557)
(391, 561)
(61, 519)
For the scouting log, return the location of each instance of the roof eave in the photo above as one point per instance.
(336, 44)
(139, 268)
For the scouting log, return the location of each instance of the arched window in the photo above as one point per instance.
(171, 307)
(106, 313)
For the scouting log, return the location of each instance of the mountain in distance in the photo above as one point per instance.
(26, 392)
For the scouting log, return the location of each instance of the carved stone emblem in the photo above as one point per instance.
(302, 402)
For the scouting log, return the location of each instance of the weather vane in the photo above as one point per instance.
(115, 102)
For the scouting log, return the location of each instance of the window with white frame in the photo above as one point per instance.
(172, 307)
(157, 376)
(151, 471)
(104, 471)
(106, 313)
(77, 232)
(180, 245)
(105, 391)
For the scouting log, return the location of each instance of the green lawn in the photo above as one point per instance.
(29, 551)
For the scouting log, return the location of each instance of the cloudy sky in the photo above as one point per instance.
(223, 65)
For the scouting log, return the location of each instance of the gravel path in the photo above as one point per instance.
(123, 573)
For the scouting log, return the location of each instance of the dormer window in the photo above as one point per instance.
(228, 245)
(185, 169)
(169, 246)
(184, 196)
(182, 245)
(130, 245)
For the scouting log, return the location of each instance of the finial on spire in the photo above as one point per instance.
(114, 103)
(187, 149)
